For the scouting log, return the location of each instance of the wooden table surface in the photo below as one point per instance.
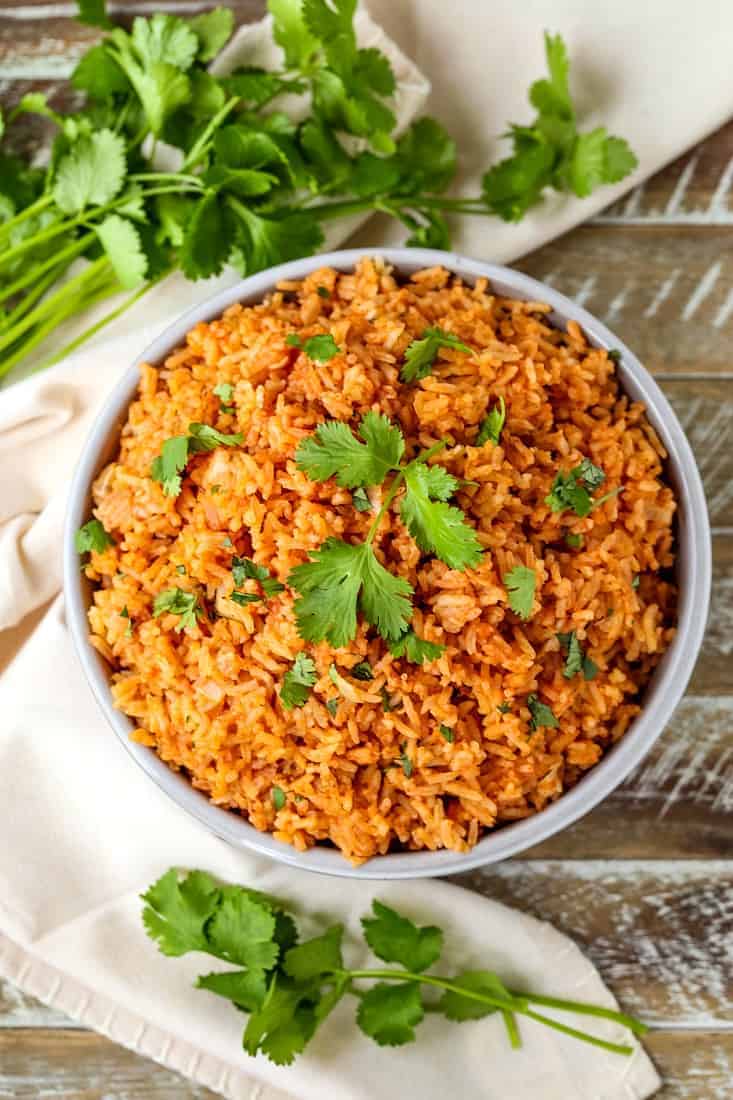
(644, 883)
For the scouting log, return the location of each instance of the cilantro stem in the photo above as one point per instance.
(30, 211)
(67, 310)
(30, 298)
(69, 253)
(391, 494)
(93, 329)
(605, 497)
(198, 149)
(519, 1004)
(50, 305)
(169, 177)
(582, 1008)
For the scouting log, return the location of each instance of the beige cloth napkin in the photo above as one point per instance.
(88, 831)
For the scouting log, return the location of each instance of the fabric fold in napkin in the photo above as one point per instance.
(86, 831)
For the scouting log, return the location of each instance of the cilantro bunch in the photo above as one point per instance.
(344, 578)
(289, 988)
(250, 186)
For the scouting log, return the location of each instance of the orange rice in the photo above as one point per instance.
(207, 700)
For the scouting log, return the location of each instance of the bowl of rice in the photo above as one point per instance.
(396, 564)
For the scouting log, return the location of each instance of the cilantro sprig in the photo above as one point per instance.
(571, 491)
(92, 536)
(253, 187)
(176, 451)
(289, 986)
(342, 579)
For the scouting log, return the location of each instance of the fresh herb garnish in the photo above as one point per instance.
(361, 501)
(551, 152)
(386, 700)
(332, 705)
(447, 734)
(252, 187)
(576, 660)
(540, 714)
(406, 763)
(225, 392)
(614, 355)
(289, 988)
(319, 348)
(176, 451)
(491, 426)
(298, 681)
(244, 569)
(574, 541)
(420, 354)
(362, 671)
(245, 598)
(92, 536)
(278, 798)
(323, 292)
(177, 601)
(125, 614)
(635, 581)
(181, 570)
(572, 490)
(520, 583)
(504, 708)
(415, 649)
(342, 578)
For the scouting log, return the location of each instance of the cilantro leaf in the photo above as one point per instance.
(552, 97)
(333, 451)
(361, 501)
(571, 490)
(93, 13)
(244, 988)
(225, 390)
(213, 30)
(202, 437)
(291, 33)
(540, 714)
(279, 798)
(491, 426)
(426, 156)
(165, 38)
(285, 1023)
(176, 601)
(362, 671)
(338, 579)
(520, 583)
(121, 241)
(207, 238)
(244, 569)
(168, 465)
(241, 930)
(298, 681)
(576, 660)
(394, 938)
(99, 75)
(329, 22)
(321, 348)
(269, 241)
(456, 1007)
(420, 354)
(177, 910)
(92, 172)
(92, 536)
(437, 527)
(258, 86)
(447, 734)
(389, 1013)
(620, 160)
(161, 86)
(320, 955)
(415, 649)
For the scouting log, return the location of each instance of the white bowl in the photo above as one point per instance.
(660, 698)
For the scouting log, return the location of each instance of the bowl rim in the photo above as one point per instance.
(668, 682)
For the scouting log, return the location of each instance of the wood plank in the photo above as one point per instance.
(666, 290)
(17, 1009)
(49, 46)
(660, 933)
(72, 1065)
(693, 1065)
(80, 1065)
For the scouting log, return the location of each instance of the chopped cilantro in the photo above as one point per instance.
(576, 660)
(170, 463)
(574, 541)
(181, 569)
(360, 500)
(447, 734)
(491, 427)
(278, 797)
(415, 649)
(298, 681)
(362, 671)
(92, 536)
(332, 705)
(177, 601)
(245, 598)
(420, 354)
(504, 708)
(520, 584)
(540, 714)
